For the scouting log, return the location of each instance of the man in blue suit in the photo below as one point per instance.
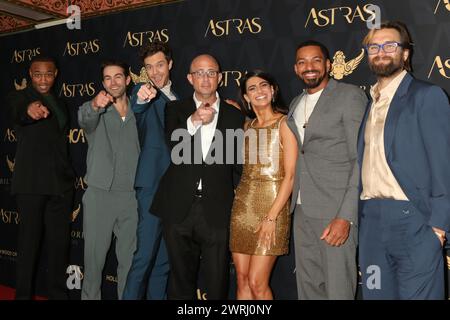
(150, 268)
(404, 149)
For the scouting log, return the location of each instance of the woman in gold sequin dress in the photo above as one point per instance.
(260, 219)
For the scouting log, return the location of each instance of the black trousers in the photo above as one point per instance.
(188, 241)
(50, 216)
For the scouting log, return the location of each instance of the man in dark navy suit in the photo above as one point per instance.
(150, 268)
(404, 149)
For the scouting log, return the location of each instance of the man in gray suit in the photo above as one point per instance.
(325, 119)
(109, 203)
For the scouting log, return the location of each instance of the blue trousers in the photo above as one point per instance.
(149, 271)
(400, 256)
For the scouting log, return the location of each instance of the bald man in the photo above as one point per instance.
(196, 193)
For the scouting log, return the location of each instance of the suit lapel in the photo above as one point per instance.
(362, 130)
(220, 128)
(159, 108)
(291, 120)
(322, 103)
(36, 96)
(191, 108)
(196, 140)
(395, 108)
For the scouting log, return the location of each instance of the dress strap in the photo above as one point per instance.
(279, 121)
(278, 127)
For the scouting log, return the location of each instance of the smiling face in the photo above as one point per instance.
(312, 68)
(385, 64)
(158, 69)
(204, 76)
(114, 81)
(258, 92)
(43, 76)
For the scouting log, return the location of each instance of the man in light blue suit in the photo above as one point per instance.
(148, 275)
(404, 149)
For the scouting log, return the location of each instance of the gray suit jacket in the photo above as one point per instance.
(327, 172)
(102, 132)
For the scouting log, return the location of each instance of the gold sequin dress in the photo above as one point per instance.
(261, 179)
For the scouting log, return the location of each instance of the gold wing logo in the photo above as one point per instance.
(142, 77)
(21, 86)
(10, 163)
(341, 68)
(448, 262)
(76, 212)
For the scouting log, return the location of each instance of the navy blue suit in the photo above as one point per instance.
(396, 237)
(150, 260)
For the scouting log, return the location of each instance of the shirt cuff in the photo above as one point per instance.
(190, 126)
(139, 101)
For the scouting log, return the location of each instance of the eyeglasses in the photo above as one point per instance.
(49, 75)
(388, 47)
(202, 73)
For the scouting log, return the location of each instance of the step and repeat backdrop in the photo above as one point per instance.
(243, 35)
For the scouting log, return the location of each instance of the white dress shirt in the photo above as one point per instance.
(168, 91)
(207, 130)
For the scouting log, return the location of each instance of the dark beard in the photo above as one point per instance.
(313, 83)
(387, 70)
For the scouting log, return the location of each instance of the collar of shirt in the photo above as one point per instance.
(313, 96)
(167, 89)
(389, 90)
(112, 108)
(215, 105)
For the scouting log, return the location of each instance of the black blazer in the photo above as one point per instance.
(42, 163)
(177, 187)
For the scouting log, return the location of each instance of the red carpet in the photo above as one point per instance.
(7, 293)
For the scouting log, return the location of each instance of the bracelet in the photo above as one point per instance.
(270, 220)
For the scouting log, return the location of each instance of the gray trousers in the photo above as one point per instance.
(323, 272)
(105, 213)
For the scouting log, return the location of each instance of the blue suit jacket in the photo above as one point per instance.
(417, 147)
(155, 156)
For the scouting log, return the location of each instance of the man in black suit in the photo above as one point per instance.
(42, 180)
(196, 193)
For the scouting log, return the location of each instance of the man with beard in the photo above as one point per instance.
(403, 149)
(325, 119)
(109, 203)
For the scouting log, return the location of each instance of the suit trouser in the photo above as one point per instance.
(186, 242)
(323, 271)
(105, 213)
(399, 254)
(150, 266)
(50, 215)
